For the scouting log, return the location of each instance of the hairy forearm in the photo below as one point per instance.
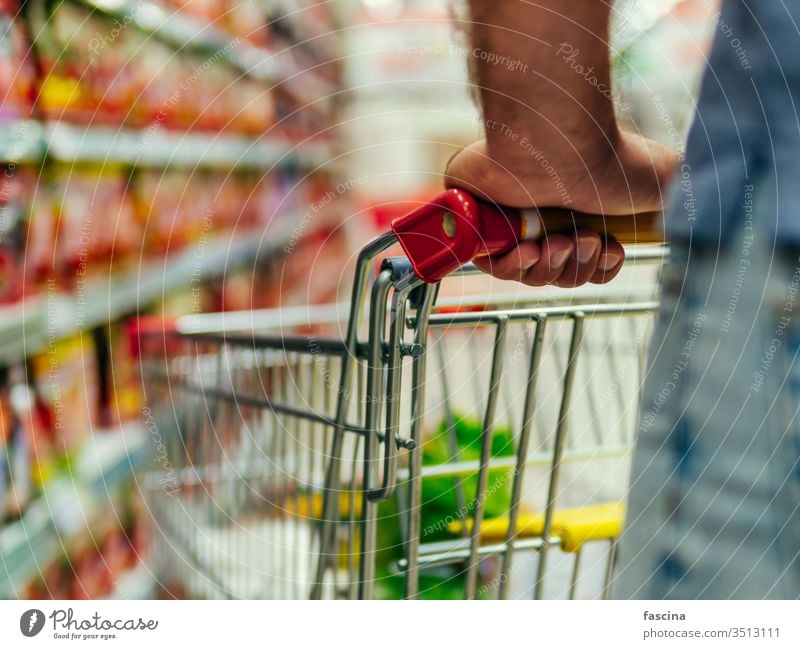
(543, 73)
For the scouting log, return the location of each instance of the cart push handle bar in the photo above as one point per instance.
(456, 227)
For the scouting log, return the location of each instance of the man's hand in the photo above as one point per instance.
(627, 176)
(542, 71)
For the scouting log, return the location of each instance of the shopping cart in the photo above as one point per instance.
(406, 446)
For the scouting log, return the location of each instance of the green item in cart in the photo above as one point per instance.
(452, 498)
(445, 500)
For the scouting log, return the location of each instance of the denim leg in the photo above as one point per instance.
(713, 505)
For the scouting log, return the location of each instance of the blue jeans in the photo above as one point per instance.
(715, 483)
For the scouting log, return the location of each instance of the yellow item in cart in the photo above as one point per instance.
(310, 505)
(574, 526)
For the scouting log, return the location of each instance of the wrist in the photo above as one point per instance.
(527, 151)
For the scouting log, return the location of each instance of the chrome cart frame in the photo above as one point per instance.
(299, 455)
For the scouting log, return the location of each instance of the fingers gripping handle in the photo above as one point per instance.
(455, 227)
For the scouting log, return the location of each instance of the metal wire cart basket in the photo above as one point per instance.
(465, 447)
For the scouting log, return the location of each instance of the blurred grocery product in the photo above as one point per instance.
(97, 70)
(17, 70)
(18, 444)
(156, 156)
(120, 389)
(16, 189)
(67, 382)
(28, 454)
(94, 564)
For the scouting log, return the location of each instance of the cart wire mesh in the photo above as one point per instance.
(475, 447)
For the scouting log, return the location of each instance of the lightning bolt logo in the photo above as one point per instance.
(31, 622)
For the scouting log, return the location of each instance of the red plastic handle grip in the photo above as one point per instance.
(452, 230)
(456, 227)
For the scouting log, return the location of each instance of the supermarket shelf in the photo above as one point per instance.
(68, 505)
(184, 32)
(306, 27)
(26, 328)
(109, 298)
(30, 141)
(23, 330)
(138, 583)
(21, 141)
(106, 299)
(69, 143)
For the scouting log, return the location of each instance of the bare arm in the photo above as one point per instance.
(549, 80)
(542, 69)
